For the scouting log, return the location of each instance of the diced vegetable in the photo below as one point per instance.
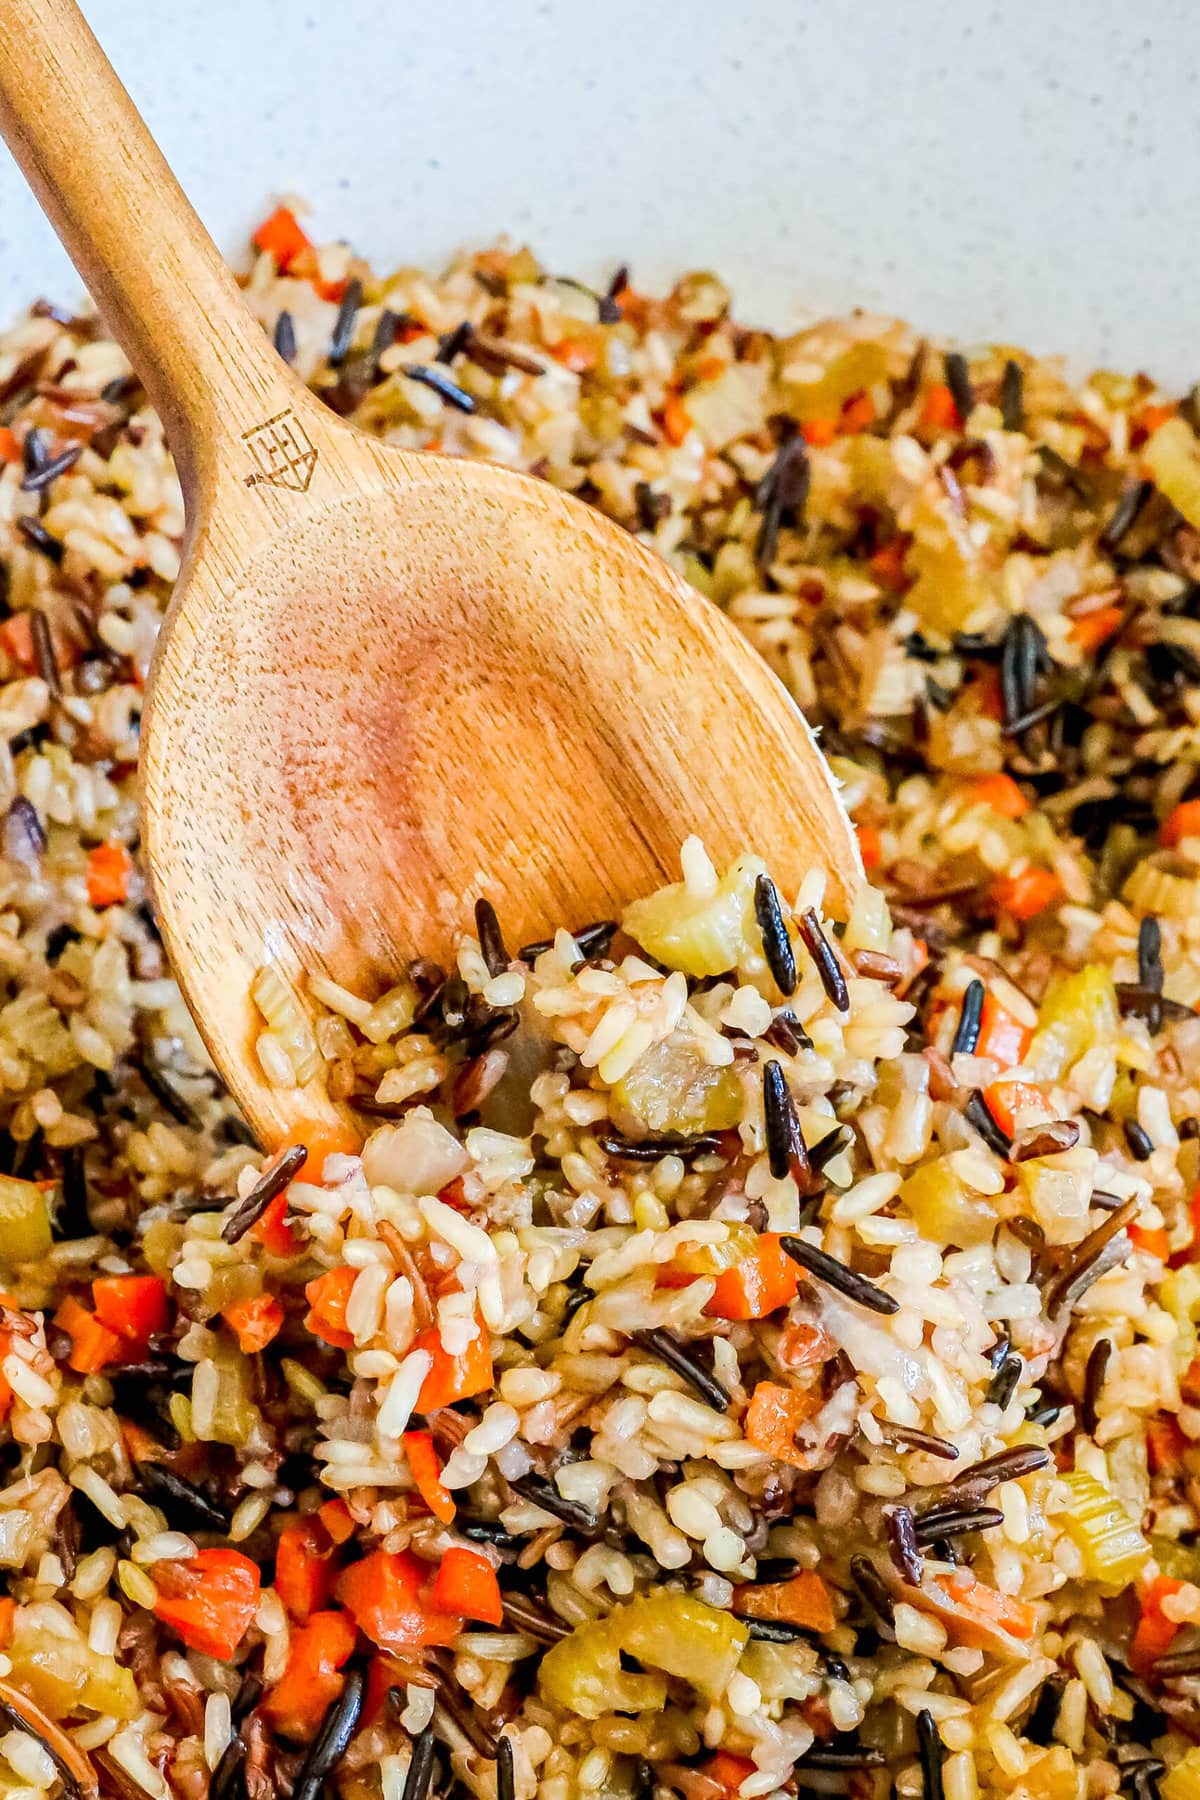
(728, 1771)
(774, 1416)
(675, 419)
(383, 1593)
(980, 1616)
(304, 1569)
(208, 1600)
(327, 1297)
(1165, 1445)
(952, 583)
(1183, 821)
(1005, 1100)
(765, 1281)
(109, 867)
(337, 1519)
(870, 846)
(426, 1471)
(25, 1234)
(939, 409)
(93, 1345)
(61, 1674)
(804, 1346)
(1172, 456)
(134, 1306)
(1150, 1238)
(819, 433)
(673, 1632)
(1001, 793)
(669, 1089)
(858, 367)
(583, 1674)
(1155, 1633)
(1027, 893)
(945, 1210)
(702, 934)
(1183, 1781)
(1093, 629)
(10, 449)
(1002, 1036)
(466, 1586)
(802, 1600)
(458, 1377)
(1114, 1550)
(234, 1414)
(1077, 1011)
(310, 1682)
(255, 1322)
(282, 237)
(272, 1230)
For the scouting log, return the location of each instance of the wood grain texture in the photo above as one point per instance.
(387, 683)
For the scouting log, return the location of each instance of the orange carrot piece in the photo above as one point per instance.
(134, 1306)
(426, 1471)
(1155, 1633)
(676, 421)
(209, 1600)
(1183, 821)
(10, 449)
(337, 1519)
(801, 1600)
(857, 413)
(282, 237)
(887, 565)
(108, 870)
(975, 1613)
(1165, 1443)
(255, 1322)
(819, 432)
(383, 1593)
(93, 1345)
(870, 846)
(466, 1587)
(1002, 1036)
(574, 353)
(1027, 893)
(8, 1615)
(16, 635)
(1150, 1238)
(1001, 793)
(327, 1297)
(458, 1377)
(1005, 1099)
(764, 1282)
(311, 1682)
(940, 409)
(1092, 629)
(774, 1416)
(728, 1771)
(1146, 422)
(804, 1346)
(304, 1570)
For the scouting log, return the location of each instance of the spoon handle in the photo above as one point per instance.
(155, 273)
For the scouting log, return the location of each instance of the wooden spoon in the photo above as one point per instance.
(388, 683)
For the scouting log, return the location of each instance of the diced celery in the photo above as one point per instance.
(583, 1675)
(702, 934)
(61, 1674)
(1114, 1550)
(1180, 1561)
(24, 1221)
(1173, 458)
(1057, 1198)
(1078, 1011)
(670, 1090)
(714, 1259)
(945, 1210)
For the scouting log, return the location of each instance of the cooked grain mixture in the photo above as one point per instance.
(754, 1351)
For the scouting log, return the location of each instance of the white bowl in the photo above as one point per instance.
(1027, 172)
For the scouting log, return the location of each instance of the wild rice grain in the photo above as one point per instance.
(828, 967)
(1093, 1382)
(828, 1269)
(250, 1210)
(777, 945)
(929, 1745)
(966, 1037)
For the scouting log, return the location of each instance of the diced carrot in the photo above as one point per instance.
(975, 1613)
(466, 1586)
(1189, 1382)
(8, 1615)
(1155, 1633)
(327, 1297)
(455, 1194)
(728, 1771)
(333, 291)
(1183, 821)
(676, 421)
(304, 1569)
(16, 634)
(940, 409)
(870, 846)
(710, 368)
(272, 1230)
(93, 1345)
(804, 1346)
(426, 1471)
(322, 1140)
(988, 695)
(310, 1682)
(337, 1519)
(857, 412)
(140, 1445)
(454, 1378)
(209, 1600)
(887, 565)
(802, 1600)
(774, 1416)
(1005, 1099)
(1002, 1036)
(761, 1284)
(10, 449)
(282, 237)
(1001, 793)
(383, 1593)
(819, 432)
(1150, 1238)
(108, 870)
(1092, 629)
(255, 1322)
(134, 1306)
(1027, 893)
(574, 353)
(1146, 422)
(1165, 1444)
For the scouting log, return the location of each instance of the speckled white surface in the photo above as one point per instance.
(1029, 170)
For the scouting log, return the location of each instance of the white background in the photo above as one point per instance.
(1028, 171)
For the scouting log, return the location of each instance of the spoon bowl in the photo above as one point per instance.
(388, 683)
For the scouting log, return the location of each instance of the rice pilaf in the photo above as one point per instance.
(754, 1351)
